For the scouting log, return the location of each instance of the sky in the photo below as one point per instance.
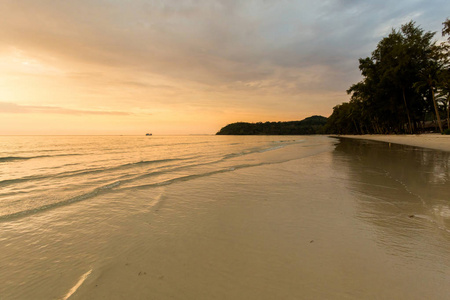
(186, 67)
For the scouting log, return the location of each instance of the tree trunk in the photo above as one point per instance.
(407, 112)
(436, 109)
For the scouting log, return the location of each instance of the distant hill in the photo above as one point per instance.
(311, 125)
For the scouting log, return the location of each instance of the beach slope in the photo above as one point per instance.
(432, 141)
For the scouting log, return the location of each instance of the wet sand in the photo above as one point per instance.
(365, 221)
(432, 141)
(359, 220)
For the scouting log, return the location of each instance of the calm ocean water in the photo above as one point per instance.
(42, 172)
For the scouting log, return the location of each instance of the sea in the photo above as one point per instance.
(222, 217)
(40, 173)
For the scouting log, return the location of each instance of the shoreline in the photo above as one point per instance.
(435, 141)
(314, 219)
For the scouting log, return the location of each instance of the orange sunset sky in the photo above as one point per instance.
(181, 67)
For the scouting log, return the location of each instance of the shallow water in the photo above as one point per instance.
(236, 218)
(42, 172)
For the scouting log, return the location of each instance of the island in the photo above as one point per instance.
(311, 125)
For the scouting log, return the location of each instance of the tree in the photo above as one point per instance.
(429, 80)
(445, 72)
(399, 82)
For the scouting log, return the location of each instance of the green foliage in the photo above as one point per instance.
(446, 131)
(446, 29)
(311, 125)
(405, 84)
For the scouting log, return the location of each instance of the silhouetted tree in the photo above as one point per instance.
(403, 83)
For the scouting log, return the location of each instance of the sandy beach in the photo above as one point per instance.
(320, 218)
(325, 226)
(431, 141)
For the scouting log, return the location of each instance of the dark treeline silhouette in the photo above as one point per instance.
(311, 125)
(405, 86)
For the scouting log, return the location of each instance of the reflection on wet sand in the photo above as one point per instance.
(404, 193)
(364, 220)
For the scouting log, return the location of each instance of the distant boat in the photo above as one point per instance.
(148, 134)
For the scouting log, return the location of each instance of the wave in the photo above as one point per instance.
(84, 172)
(172, 168)
(12, 158)
(137, 177)
(7, 182)
(114, 185)
(69, 174)
(200, 175)
(251, 151)
(271, 149)
(82, 197)
(115, 168)
(15, 158)
(123, 185)
(181, 179)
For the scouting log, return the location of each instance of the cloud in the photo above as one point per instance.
(217, 54)
(13, 108)
(206, 41)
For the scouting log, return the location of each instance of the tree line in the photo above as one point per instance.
(405, 86)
